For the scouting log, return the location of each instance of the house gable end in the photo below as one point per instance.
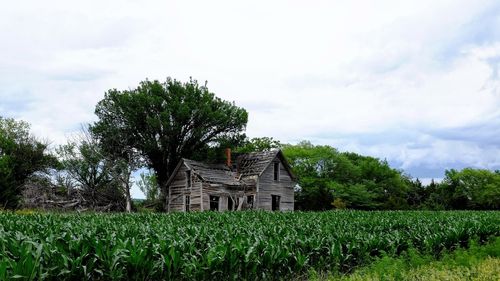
(283, 162)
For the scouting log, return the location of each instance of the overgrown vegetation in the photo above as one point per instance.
(478, 262)
(233, 245)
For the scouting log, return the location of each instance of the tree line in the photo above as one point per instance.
(156, 124)
(330, 179)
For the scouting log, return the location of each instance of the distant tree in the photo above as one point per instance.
(389, 185)
(361, 182)
(86, 168)
(149, 186)
(417, 193)
(258, 144)
(471, 189)
(313, 166)
(436, 197)
(124, 158)
(165, 121)
(22, 157)
(339, 204)
(215, 151)
(357, 196)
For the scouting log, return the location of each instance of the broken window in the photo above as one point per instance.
(188, 179)
(214, 203)
(229, 203)
(187, 203)
(276, 171)
(250, 201)
(275, 202)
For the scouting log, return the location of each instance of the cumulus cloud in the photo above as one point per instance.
(415, 82)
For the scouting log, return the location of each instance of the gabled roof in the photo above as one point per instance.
(249, 164)
(216, 173)
(255, 163)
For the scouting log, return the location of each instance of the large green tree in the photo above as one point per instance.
(165, 121)
(22, 157)
(471, 189)
(359, 182)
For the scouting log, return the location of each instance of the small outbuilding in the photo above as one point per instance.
(257, 180)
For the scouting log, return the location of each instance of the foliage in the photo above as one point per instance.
(86, 169)
(258, 144)
(362, 182)
(232, 245)
(339, 204)
(22, 158)
(472, 189)
(165, 121)
(124, 158)
(149, 186)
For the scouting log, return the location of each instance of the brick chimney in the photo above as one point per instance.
(228, 157)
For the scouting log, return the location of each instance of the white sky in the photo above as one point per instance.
(415, 82)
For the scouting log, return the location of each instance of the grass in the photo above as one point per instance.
(479, 262)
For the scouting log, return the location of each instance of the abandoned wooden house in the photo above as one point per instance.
(258, 180)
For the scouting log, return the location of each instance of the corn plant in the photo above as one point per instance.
(224, 246)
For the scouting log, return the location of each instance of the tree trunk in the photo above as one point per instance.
(128, 199)
(162, 183)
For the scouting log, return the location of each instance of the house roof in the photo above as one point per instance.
(255, 163)
(249, 164)
(216, 173)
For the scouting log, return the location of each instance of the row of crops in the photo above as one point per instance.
(209, 245)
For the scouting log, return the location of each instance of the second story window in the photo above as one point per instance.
(189, 182)
(276, 171)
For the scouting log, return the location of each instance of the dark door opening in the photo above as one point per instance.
(276, 202)
(250, 201)
(214, 203)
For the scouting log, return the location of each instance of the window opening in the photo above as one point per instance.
(276, 171)
(189, 181)
(187, 203)
(214, 203)
(276, 202)
(250, 201)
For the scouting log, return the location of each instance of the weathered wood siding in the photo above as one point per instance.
(223, 193)
(262, 188)
(178, 191)
(267, 187)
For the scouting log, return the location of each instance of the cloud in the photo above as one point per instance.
(415, 82)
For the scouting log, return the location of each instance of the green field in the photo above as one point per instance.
(236, 245)
(477, 263)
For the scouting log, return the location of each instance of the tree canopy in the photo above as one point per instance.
(165, 121)
(354, 181)
(22, 157)
(98, 177)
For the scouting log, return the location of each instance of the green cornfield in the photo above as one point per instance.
(232, 245)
